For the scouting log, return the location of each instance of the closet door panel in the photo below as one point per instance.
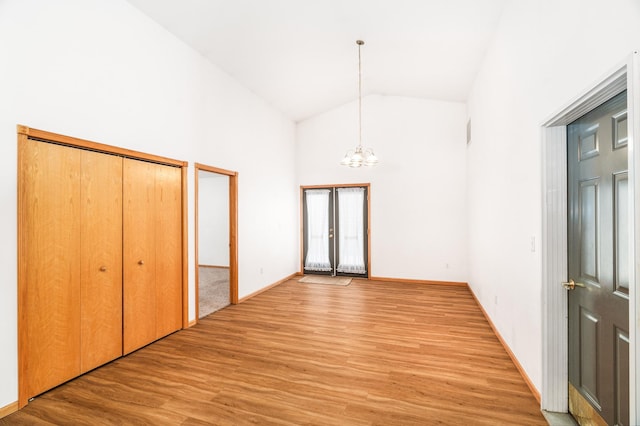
(49, 275)
(139, 263)
(168, 249)
(101, 259)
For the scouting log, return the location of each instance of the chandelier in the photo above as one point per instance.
(359, 155)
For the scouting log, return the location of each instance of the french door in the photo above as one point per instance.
(336, 230)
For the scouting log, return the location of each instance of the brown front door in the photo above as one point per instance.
(598, 265)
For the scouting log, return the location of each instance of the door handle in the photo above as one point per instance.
(571, 285)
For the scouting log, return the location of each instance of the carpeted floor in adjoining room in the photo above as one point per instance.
(213, 289)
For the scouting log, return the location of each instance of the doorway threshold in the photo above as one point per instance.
(559, 419)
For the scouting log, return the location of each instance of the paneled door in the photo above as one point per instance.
(152, 237)
(598, 265)
(335, 230)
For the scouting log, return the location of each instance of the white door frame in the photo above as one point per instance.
(554, 395)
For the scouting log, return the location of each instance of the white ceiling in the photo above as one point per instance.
(301, 55)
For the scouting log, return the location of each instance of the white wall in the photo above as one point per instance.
(545, 53)
(418, 211)
(213, 219)
(100, 70)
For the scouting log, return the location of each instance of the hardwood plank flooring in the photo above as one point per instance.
(371, 353)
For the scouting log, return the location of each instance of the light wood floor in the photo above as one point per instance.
(370, 353)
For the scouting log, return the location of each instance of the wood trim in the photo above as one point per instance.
(412, 281)
(214, 266)
(196, 239)
(262, 290)
(233, 233)
(96, 146)
(523, 373)
(8, 409)
(185, 249)
(301, 271)
(23, 396)
(192, 323)
(233, 238)
(337, 185)
(368, 230)
(215, 170)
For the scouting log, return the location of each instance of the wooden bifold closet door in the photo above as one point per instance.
(152, 252)
(71, 263)
(100, 259)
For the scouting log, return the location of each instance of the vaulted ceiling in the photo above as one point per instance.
(301, 55)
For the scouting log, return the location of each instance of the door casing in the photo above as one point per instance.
(233, 233)
(554, 393)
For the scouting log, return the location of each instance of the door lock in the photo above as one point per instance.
(572, 285)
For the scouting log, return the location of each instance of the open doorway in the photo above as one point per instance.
(216, 242)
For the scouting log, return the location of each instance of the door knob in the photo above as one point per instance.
(103, 269)
(140, 262)
(572, 285)
(330, 235)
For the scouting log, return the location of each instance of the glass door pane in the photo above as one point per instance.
(317, 234)
(351, 231)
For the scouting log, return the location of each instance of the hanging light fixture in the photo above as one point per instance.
(359, 155)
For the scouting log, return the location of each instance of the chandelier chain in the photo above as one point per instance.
(360, 155)
(359, 96)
